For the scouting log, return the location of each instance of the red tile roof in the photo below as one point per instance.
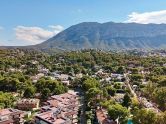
(103, 118)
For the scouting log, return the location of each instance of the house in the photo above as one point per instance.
(37, 77)
(108, 79)
(34, 62)
(59, 109)
(97, 67)
(144, 82)
(102, 74)
(147, 104)
(63, 77)
(135, 87)
(67, 83)
(117, 76)
(14, 70)
(28, 104)
(51, 77)
(119, 97)
(102, 117)
(80, 75)
(11, 116)
(15, 94)
(44, 70)
(51, 117)
(55, 73)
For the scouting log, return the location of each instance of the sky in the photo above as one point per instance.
(29, 22)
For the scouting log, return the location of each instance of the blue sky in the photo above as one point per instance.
(24, 22)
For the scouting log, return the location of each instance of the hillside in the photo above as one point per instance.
(107, 36)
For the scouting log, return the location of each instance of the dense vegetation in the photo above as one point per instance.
(17, 67)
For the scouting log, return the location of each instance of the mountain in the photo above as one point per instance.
(108, 36)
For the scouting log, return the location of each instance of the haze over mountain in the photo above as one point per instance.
(108, 36)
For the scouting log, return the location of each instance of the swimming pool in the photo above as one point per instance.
(129, 121)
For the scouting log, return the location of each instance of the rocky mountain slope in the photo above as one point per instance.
(108, 36)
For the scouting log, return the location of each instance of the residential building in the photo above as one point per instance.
(51, 117)
(37, 77)
(28, 104)
(103, 118)
(11, 116)
(59, 109)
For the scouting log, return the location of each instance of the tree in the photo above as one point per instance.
(120, 70)
(162, 82)
(90, 83)
(143, 116)
(126, 100)
(135, 103)
(105, 92)
(9, 84)
(107, 103)
(158, 70)
(136, 77)
(118, 111)
(161, 118)
(45, 93)
(60, 89)
(93, 95)
(21, 87)
(6, 100)
(29, 92)
(76, 82)
(160, 97)
(149, 89)
(111, 91)
(54, 86)
(134, 70)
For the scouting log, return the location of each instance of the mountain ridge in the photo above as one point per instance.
(107, 36)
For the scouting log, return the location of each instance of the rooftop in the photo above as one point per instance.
(9, 111)
(60, 108)
(103, 118)
(28, 101)
(51, 118)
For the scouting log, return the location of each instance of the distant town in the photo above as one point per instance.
(82, 87)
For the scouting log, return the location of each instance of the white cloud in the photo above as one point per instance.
(35, 35)
(56, 28)
(157, 17)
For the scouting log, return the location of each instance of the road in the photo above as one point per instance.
(129, 86)
(83, 107)
(135, 95)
